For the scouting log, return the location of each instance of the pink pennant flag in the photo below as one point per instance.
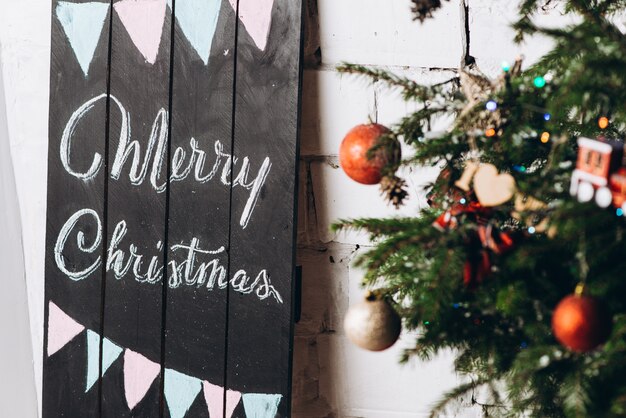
(214, 397)
(139, 373)
(61, 329)
(256, 16)
(144, 20)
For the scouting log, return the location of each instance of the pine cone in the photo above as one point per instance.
(394, 189)
(475, 85)
(424, 9)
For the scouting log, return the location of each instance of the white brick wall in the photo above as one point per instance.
(331, 377)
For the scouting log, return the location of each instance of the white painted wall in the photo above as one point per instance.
(17, 390)
(25, 51)
(331, 377)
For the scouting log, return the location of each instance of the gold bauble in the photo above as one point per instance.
(372, 324)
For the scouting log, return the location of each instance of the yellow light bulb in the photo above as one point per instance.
(603, 122)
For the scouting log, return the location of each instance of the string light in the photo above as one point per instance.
(603, 122)
(619, 212)
(545, 137)
(519, 168)
(547, 116)
(491, 105)
(490, 132)
(505, 66)
(532, 230)
(463, 201)
(539, 82)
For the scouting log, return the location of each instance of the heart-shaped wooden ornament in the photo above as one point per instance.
(491, 188)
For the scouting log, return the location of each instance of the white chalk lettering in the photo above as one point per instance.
(150, 162)
(194, 270)
(63, 236)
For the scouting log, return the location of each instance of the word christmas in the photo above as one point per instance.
(190, 272)
(153, 157)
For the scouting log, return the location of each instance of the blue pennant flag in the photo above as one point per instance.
(260, 405)
(180, 392)
(198, 21)
(110, 353)
(83, 23)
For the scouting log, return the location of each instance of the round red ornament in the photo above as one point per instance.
(353, 154)
(581, 323)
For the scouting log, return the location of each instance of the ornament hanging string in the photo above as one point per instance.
(583, 265)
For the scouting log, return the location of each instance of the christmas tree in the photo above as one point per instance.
(519, 262)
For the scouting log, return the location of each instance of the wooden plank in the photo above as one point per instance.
(224, 226)
(199, 200)
(260, 316)
(138, 144)
(76, 175)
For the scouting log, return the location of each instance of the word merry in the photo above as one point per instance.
(151, 160)
(190, 272)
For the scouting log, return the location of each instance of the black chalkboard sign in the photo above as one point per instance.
(171, 204)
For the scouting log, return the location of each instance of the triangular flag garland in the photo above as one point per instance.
(198, 21)
(180, 389)
(214, 397)
(259, 405)
(139, 373)
(110, 353)
(144, 21)
(61, 329)
(256, 16)
(83, 23)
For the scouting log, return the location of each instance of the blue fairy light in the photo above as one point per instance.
(491, 105)
(619, 212)
(539, 82)
(462, 201)
(547, 116)
(532, 230)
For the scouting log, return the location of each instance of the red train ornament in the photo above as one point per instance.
(600, 173)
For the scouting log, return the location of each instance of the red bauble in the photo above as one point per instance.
(477, 267)
(353, 154)
(581, 323)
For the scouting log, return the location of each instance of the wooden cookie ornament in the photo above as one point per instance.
(492, 188)
(464, 183)
(538, 218)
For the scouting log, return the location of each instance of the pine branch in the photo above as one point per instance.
(501, 328)
(410, 89)
(455, 395)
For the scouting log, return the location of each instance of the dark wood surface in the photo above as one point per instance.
(64, 371)
(222, 310)
(266, 121)
(133, 302)
(199, 206)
